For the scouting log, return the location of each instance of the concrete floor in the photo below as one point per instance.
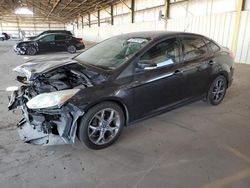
(194, 146)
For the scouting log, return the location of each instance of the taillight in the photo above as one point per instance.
(231, 55)
(81, 41)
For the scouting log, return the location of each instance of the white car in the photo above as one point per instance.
(2, 37)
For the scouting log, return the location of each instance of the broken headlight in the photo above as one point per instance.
(53, 99)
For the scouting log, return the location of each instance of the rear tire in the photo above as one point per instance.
(217, 90)
(31, 51)
(101, 126)
(71, 49)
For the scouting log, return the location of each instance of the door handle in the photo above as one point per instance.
(211, 62)
(135, 83)
(178, 72)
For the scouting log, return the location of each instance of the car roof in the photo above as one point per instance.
(56, 30)
(56, 34)
(155, 34)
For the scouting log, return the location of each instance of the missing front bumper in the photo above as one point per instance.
(49, 127)
(29, 134)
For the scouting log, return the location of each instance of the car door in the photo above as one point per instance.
(47, 43)
(199, 64)
(162, 86)
(61, 42)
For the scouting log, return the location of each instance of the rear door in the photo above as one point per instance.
(61, 42)
(199, 64)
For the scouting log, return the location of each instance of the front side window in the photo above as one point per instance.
(193, 48)
(112, 52)
(164, 53)
(48, 38)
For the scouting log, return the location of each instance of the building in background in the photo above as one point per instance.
(217, 19)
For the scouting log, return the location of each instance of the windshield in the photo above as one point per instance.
(112, 52)
(42, 33)
(38, 37)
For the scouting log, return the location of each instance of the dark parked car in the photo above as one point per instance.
(49, 43)
(117, 82)
(47, 32)
(4, 36)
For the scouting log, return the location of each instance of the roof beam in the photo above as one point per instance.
(53, 8)
(91, 8)
(126, 4)
(66, 5)
(84, 1)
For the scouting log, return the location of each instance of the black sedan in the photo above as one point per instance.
(49, 43)
(4, 36)
(115, 83)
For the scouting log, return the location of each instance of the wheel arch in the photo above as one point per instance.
(115, 100)
(118, 102)
(222, 73)
(32, 45)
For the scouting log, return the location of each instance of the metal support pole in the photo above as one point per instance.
(240, 6)
(167, 9)
(1, 26)
(77, 24)
(98, 17)
(19, 29)
(89, 20)
(244, 5)
(112, 14)
(132, 11)
(82, 23)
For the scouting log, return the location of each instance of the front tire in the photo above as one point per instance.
(101, 126)
(217, 90)
(31, 51)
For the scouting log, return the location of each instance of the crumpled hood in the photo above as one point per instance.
(35, 67)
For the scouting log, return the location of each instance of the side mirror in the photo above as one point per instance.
(146, 65)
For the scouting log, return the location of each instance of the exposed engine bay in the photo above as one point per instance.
(55, 124)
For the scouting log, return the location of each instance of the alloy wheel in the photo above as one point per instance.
(219, 89)
(104, 126)
(31, 51)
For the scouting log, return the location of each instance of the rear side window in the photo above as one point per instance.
(68, 32)
(60, 37)
(193, 48)
(212, 46)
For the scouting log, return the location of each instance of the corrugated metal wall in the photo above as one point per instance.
(243, 47)
(219, 27)
(29, 25)
(213, 18)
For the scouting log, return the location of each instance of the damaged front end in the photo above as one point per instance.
(49, 127)
(48, 116)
